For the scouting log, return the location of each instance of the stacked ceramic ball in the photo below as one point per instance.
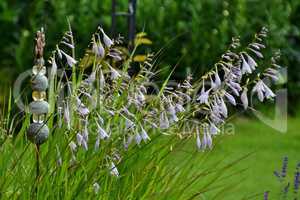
(38, 131)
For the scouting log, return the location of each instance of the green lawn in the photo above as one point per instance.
(253, 175)
(269, 147)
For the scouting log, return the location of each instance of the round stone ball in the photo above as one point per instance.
(39, 83)
(39, 107)
(38, 133)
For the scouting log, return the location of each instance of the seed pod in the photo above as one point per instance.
(39, 107)
(39, 83)
(38, 133)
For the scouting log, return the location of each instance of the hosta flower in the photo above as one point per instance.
(213, 85)
(223, 108)
(172, 113)
(114, 74)
(203, 98)
(204, 142)
(163, 120)
(251, 62)
(144, 135)
(230, 98)
(262, 91)
(138, 138)
(98, 49)
(235, 87)
(73, 146)
(82, 109)
(53, 68)
(129, 124)
(217, 80)
(84, 145)
(244, 98)
(245, 66)
(85, 134)
(179, 107)
(70, 60)
(208, 138)
(79, 139)
(213, 129)
(113, 170)
(107, 41)
(268, 92)
(102, 133)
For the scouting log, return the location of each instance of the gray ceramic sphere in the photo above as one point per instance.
(39, 83)
(39, 107)
(38, 133)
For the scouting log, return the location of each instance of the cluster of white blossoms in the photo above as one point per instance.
(127, 109)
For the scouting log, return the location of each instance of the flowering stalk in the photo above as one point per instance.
(122, 109)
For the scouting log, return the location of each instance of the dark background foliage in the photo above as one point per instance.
(199, 31)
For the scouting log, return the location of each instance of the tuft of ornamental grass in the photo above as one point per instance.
(115, 135)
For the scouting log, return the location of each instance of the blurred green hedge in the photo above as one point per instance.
(199, 30)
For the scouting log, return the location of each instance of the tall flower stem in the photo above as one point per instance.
(37, 153)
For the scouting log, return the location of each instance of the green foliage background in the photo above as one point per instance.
(198, 30)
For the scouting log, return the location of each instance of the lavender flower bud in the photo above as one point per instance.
(230, 98)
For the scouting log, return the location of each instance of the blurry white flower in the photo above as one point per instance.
(73, 146)
(172, 113)
(203, 98)
(144, 135)
(107, 41)
(244, 98)
(114, 74)
(129, 124)
(53, 68)
(262, 91)
(179, 107)
(102, 133)
(163, 120)
(138, 138)
(67, 115)
(245, 66)
(217, 80)
(70, 60)
(113, 170)
(79, 139)
(98, 49)
(96, 187)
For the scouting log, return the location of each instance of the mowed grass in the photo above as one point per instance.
(269, 147)
(258, 150)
